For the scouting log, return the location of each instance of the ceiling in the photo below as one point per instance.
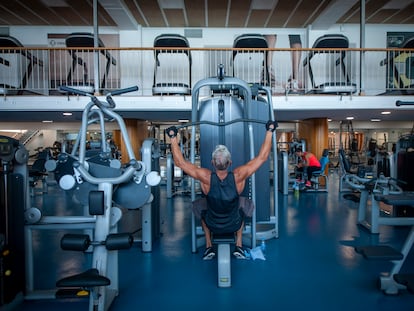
(129, 14)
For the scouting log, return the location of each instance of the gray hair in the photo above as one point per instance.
(221, 157)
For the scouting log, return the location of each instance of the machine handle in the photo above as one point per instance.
(124, 177)
(125, 90)
(109, 99)
(65, 88)
(399, 103)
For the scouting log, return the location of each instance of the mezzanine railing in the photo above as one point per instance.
(41, 71)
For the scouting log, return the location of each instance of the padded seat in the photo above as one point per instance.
(379, 252)
(223, 238)
(407, 198)
(87, 279)
(406, 279)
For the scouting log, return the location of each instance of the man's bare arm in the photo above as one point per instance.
(243, 172)
(201, 174)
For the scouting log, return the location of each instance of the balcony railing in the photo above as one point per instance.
(169, 71)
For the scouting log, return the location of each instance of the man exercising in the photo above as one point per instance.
(222, 188)
(308, 163)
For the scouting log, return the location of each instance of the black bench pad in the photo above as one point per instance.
(396, 199)
(87, 279)
(379, 252)
(406, 279)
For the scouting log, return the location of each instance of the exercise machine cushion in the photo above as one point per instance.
(379, 252)
(406, 279)
(396, 199)
(87, 279)
(75, 242)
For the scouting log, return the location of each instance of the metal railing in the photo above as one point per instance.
(41, 71)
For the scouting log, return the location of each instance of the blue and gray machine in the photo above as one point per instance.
(234, 115)
(103, 185)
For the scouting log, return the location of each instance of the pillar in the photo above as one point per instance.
(315, 132)
(137, 132)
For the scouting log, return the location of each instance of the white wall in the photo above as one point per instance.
(375, 34)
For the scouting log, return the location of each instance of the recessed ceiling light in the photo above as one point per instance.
(47, 121)
(55, 3)
(329, 120)
(67, 113)
(349, 118)
(262, 4)
(171, 4)
(386, 112)
(375, 120)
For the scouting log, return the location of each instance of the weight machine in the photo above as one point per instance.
(234, 116)
(14, 199)
(104, 185)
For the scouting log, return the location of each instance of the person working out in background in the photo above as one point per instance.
(308, 163)
(294, 83)
(222, 188)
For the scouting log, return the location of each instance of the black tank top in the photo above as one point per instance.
(222, 215)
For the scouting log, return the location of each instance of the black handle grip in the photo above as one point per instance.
(72, 90)
(126, 90)
(399, 103)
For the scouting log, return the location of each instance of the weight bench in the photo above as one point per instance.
(391, 282)
(96, 281)
(87, 280)
(223, 242)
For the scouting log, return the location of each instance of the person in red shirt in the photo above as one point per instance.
(307, 164)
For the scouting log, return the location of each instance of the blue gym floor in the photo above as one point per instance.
(311, 266)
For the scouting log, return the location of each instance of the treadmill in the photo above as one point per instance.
(85, 40)
(334, 75)
(172, 74)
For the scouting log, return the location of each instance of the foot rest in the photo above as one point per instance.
(406, 279)
(87, 279)
(379, 252)
(224, 265)
(396, 199)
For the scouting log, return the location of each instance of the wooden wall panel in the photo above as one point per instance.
(315, 133)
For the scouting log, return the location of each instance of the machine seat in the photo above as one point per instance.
(407, 198)
(406, 279)
(87, 279)
(379, 252)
